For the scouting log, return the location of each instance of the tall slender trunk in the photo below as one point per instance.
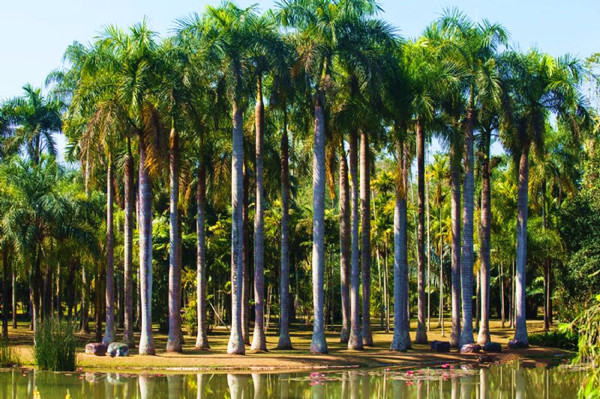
(484, 326)
(502, 306)
(547, 294)
(441, 311)
(109, 332)
(318, 345)
(34, 292)
(246, 255)
(85, 326)
(236, 341)
(201, 338)
(128, 337)
(455, 216)
(365, 208)
(99, 283)
(70, 290)
(345, 242)
(355, 340)
(259, 342)
(174, 300)
(401, 339)
(145, 242)
(521, 259)
(6, 291)
(428, 251)
(421, 335)
(466, 269)
(58, 296)
(284, 275)
(386, 299)
(14, 298)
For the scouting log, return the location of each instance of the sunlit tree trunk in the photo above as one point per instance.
(365, 208)
(355, 340)
(284, 284)
(484, 326)
(14, 298)
(421, 335)
(401, 340)
(521, 259)
(128, 336)
(259, 342)
(145, 242)
(201, 338)
(236, 342)
(174, 302)
(466, 268)
(345, 242)
(109, 332)
(318, 345)
(455, 217)
(6, 291)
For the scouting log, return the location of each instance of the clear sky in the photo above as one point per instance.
(35, 33)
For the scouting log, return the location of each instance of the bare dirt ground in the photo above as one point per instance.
(216, 359)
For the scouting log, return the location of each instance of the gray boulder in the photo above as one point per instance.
(470, 348)
(492, 347)
(516, 344)
(118, 349)
(96, 348)
(440, 346)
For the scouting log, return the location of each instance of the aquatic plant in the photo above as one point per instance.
(54, 347)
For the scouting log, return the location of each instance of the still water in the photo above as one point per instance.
(510, 380)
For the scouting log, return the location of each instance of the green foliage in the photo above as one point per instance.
(561, 339)
(54, 347)
(588, 326)
(190, 318)
(7, 356)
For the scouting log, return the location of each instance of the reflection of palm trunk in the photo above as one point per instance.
(174, 386)
(521, 261)
(236, 386)
(236, 343)
(146, 384)
(259, 385)
(365, 207)
(201, 385)
(344, 247)
(355, 340)
(318, 345)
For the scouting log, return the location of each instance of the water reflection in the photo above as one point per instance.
(498, 381)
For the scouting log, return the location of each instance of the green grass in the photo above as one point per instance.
(55, 345)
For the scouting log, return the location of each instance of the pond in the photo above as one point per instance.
(510, 380)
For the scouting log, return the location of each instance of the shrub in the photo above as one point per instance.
(190, 318)
(563, 338)
(7, 356)
(55, 346)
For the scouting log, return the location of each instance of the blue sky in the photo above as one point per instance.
(35, 33)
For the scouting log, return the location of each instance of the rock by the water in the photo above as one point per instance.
(96, 348)
(492, 347)
(440, 346)
(118, 349)
(470, 348)
(516, 344)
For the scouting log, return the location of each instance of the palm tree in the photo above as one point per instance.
(472, 48)
(344, 247)
(535, 85)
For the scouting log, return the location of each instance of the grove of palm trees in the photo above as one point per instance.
(302, 179)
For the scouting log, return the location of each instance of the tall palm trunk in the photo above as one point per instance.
(345, 242)
(547, 263)
(128, 337)
(109, 332)
(401, 340)
(284, 275)
(246, 254)
(6, 291)
(355, 340)
(236, 341)
(455, 217)
(14, 298)
(201, 338)
(484, 326)
(365, 208)
(145, 240)
(318, 345)
(259, 342)
(466, 268)
(521, 260)
(84, 321)
(421, 336)
(174, 303)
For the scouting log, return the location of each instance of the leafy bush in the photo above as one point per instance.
(190, 318)
(55, 346)
(563, 338)
(7, 356)
(588, 325)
